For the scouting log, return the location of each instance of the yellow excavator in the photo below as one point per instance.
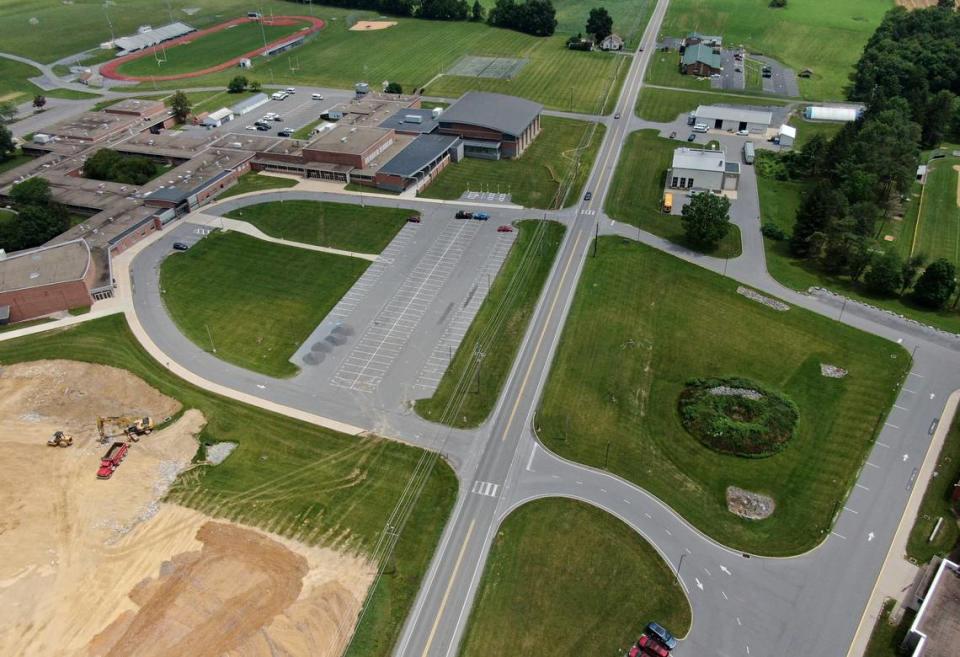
(60, 439)
(131, 427)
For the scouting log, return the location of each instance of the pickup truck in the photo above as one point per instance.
(111, 460)
(463, 214)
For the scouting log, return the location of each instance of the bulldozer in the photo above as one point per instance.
(60, 439)
(130, 427)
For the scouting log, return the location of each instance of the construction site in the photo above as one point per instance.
(100, 565)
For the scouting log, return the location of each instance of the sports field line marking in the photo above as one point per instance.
(446, 594)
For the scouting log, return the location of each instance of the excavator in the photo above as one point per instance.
(132, 427)
(60, 439)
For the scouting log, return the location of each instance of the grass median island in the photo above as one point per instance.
(257, 182)
(642, 323)
(361, 229)
(551, 585)
(637, 192)
(299, 489)
(251, 302)
(497, 330)
(936, 504)
(666, 104)
(535, 177)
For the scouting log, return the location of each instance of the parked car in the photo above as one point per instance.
(251, 127)
(661, 634)
(481, 216)
(316, 96)
(650, 646)
(291, 90)
(738, 69)
(414, 219)
(180, 246)
(617, 115)
(588, 196)
(692, 137)
(700, 127)
(262, 127)
(743, 133)
(463, 214)
(277, 117)
(286, 132)
(505, 229)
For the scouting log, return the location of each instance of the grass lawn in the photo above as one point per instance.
(822, 35)
(550, 581)
(339, 225)
(299, 490)
(664, 70)
(665, 104)
(806, 130)
(15, 85)
(536, 178)
(885, 639)
(779, 201)
(938, 230)
(630, 17)
(936, 504)
(305, 131)
(637, 191)
(251, 302)
(257, 182)
(642, 324)
(497, 330)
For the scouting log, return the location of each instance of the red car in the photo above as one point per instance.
(505, 229)
(651, 646)
(414, 219)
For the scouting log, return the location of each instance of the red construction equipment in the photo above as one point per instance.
(112, 459)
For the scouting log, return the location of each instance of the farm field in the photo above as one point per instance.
(629, 349)
(277, 479)
(666, 104)
(522, 604)
(338, 225)
(257, 182)
(637, 189)
(630, 17)
(535, 178)
(936, 504)
(938, 226)
(251, 302)
(208, 50)
(822, 35)
(779, 201)
(497, 330)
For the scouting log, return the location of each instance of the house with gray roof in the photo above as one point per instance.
(492, 126)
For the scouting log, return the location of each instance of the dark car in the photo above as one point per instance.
(463, 214)
(262, 127)
(180, 246)
(588, 196)
(286, 132)
(414, 219)
(692, 137)
(617, 115)
(481, 216)
(278, 118)
(661, 634)
(505, 229)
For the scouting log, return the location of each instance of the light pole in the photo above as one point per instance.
(680, 563)
(109, 23)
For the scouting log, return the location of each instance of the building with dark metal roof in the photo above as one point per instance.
(700, 59)
(492, 126)
(419, 162)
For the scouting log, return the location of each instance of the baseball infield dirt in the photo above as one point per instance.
(366, 26)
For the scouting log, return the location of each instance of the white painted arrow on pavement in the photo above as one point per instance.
(870, 536)
(725, 569)
(699, 583)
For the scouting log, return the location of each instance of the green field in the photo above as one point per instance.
(664, 69)
(293, 478)
(642, 324)
(885, 639)
(570, 577)
(806, 130)
(250, 302)
(338, 225)
(15, 85)
(936, 504)
(630, 17)
(779, 201)
(666, 104)
(636, 192)
(938, 231)
(538, 178)
(823, 35)
(257, 182)
(208, 50)
(496, 331)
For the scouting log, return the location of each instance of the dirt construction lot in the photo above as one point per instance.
(91, 567)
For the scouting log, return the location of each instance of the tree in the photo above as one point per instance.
(32, 191)
(108, 164)
(238, 84)
(39, 101)
(536, 17)
(393, 88)
(180, 105)
(938, 116)
(478, 12)
(599, 24)
(7, 145)
(936, 284)
(910, 269)
(706, 219)
(947, 4)
(778, 4)
(7, 112)
(256, 86)
(884, 276)
(819, 209)
(38, 224)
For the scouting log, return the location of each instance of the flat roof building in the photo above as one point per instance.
(697, 169)
(37, 282)
(719, 117)
(352, 145)
(493, 126)
(419, 162)
(935, 631)
(412, 121)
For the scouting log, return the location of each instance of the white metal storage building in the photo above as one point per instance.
(844, 114)
(218, 118)
(250, 104)
(787, 135)
(733, 118)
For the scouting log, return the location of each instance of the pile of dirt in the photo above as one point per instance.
(749, 505)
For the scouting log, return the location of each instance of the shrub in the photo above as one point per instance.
(773, 231)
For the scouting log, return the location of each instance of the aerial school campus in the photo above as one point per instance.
(430, 328)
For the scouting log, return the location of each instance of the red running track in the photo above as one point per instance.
(109, 70)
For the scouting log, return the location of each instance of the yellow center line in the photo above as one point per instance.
(446, 594)
(543, 333)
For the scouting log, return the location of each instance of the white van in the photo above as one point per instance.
(291, 90)
(280, 95)
(700, 127)
(317, 96)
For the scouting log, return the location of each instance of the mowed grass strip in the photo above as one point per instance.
(561, 155)
(207, 50)
(257, 182)
(286, 476)
(337, 225)
(469, 390)
(642, 324)
(636, 193)
(938, 228)
(665, 105)
(251, 302)
(822, 35)
(886, 639)
(570, 579)
(936, 504)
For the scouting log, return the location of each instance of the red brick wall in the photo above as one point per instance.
(35, 302)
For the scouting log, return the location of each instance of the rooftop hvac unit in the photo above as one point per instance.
(437, 111)
(413, 118)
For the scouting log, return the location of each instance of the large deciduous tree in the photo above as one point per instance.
(599, 23)
(936, 284)
(180, 106)
(706, 219)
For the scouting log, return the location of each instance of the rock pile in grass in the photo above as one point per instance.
(753, 295)
(749, 505)
(832, 371)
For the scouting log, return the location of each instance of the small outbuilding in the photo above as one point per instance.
(786, 135)
(719, 117)
(217, 118)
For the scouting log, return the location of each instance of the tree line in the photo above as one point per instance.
(909, 78)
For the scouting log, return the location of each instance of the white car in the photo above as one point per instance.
(743, 133)
(317, 96)
(251, 127)
(291, 90)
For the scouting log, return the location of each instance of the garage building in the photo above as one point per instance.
(733, 118)
(697, 169)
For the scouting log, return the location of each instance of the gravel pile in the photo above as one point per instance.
(832, 371)
(218, 453)
(727, 391)
(749, 505)
(753, 295)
